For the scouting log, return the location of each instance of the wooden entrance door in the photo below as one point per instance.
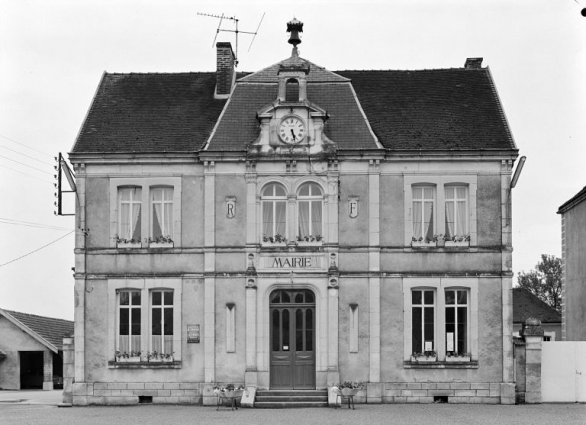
(292, 324)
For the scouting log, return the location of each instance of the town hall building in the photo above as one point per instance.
(293, 228)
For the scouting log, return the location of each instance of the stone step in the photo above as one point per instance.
(279, 399)
(289, 404)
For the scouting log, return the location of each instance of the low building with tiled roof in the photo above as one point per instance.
(33, 350)
(573, 214)
(291, 228)
(527, 306)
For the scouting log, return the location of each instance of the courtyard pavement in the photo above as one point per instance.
(40, 408)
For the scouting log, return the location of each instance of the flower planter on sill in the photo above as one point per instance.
(127, 359)
(457, 359)
(423, 244)
(456, 244)
(161, 245)
(274, 244)
(128, 245)
(307, 243)
(424, 359)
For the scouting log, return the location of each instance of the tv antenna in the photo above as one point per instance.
(235, 31)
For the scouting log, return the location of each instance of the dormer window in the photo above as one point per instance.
(292, 90)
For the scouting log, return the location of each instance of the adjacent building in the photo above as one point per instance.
(573, 214)
(31, 350)
(526, 305)
(292, 228)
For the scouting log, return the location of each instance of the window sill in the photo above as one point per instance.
(441, 365)
(145, 365)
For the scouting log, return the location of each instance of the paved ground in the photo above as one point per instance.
(41, 408)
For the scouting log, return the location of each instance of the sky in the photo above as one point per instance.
(53, 54)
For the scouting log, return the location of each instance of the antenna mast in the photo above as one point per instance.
(235, 31)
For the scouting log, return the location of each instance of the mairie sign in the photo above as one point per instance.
(289, 262)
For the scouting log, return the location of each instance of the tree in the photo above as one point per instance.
(545, 281)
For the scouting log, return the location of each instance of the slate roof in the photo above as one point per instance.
(575, 200)
(150, 113)
(526, 305)
(50, 329)
(430, 110)
(433, 109)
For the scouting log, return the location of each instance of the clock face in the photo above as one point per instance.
(291, 129)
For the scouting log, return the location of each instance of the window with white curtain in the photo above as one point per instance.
(162, 212)
(423, 212)
(129, 210)
(310, 210)
(162, 321)
(274, 211)
(129, 322)
(456, 201)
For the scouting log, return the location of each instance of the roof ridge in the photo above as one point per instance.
(36, 315)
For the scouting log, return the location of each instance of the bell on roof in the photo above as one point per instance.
(294, 27)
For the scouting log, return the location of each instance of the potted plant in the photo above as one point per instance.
(127, 243)
(310, 240)
(440, 240)
(455, 357)
(160, 242)
(167, 357)
(458, 240)
(422, 242)
(126, 357)
(154, 356)
(348, 388)
(229, 390)
(278, 239)
(424, 357)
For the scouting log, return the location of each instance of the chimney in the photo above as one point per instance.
(225, 72)
(473, 63)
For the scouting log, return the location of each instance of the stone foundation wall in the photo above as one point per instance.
(117, 393)
(455, 392)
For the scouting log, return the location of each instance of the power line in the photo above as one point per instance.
(31, 224)
(38, 249)
(21, 163)
(22, 144)
(26, 174)
(23, 154)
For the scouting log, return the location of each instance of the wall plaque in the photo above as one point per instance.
(193, 334)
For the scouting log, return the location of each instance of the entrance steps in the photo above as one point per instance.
(279, 399)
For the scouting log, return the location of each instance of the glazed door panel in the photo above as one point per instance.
(293, 343)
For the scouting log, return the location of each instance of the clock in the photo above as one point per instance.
(292, 129)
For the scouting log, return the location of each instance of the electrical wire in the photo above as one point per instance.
(31, 224)
(38, 249)
(26, 174)
(24, 154)
(21, 163)
(22, 144)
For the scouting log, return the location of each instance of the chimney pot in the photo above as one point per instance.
(225, 72)
(473, 63)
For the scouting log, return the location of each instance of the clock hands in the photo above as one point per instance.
(293, 135)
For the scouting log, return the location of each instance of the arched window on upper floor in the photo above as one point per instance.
(292, 90)
(274, 211)
(310, 212)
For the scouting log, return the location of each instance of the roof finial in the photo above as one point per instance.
(294, 27)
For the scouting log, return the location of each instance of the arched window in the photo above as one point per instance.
(292, 90)
(162, 213)
(129, 209)
(310, 208)
(274, 211)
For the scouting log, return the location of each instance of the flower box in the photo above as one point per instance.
(346, 392)
(128, 245)
(458, 359)
(440, 243)
(424, 359)
(422, 244)
(161, 245)
(307, 243)
(128, 359)
(455, 244)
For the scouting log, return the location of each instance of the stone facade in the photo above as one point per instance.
(240, 235)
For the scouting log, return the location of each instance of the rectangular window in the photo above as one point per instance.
(129, 207)
(423, 320)
(162, 321)
(162, 213)
(456, 199)
(423, 212)
(129, 331)
(457, 321)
